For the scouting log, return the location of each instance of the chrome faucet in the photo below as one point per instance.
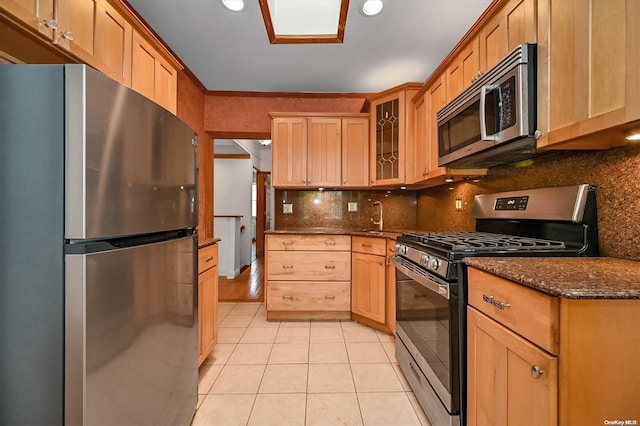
(379, 222)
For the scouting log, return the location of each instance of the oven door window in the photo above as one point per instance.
(426, 317)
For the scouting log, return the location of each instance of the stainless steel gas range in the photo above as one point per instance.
(431, 282)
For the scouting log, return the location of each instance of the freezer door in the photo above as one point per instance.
(131, 346)
(130, 164)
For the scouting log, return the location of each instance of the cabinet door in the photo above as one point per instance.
(464, 69)
(151, 75)
(113, 43)
(387, 144)
(436, 98)
(418, 160)
(368, 279)
(76, 28)
(37, 14)
(514, 24)
(207, 312)
(592, 57)
(502, 386)
(324, 152)
(355, 152)
(289, 152)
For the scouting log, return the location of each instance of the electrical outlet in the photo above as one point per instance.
(352, 207)
(287, 208)
(458, 204)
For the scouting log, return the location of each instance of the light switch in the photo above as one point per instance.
(458, 204)
(352, 207)
(287, 208)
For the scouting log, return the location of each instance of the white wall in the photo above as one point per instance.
(232, 197)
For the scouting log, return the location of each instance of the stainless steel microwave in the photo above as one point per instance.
(493, 122)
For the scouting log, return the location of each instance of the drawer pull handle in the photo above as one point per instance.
(492, 301)
(288, 297)
(287, 266)
(536, 372)
(329, 266)
(208, 258)
(330, 297)
(287, 243)
(366, 245)
(330, 243)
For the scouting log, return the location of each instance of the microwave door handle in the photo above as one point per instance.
(483, 115)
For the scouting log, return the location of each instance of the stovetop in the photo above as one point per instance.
(478, 242)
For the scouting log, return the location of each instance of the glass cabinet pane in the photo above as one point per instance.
(387, 140)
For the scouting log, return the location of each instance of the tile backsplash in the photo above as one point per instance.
(330, 209)
(615, 172)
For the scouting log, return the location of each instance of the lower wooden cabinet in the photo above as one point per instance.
(207, 300)
(503, 388)
(538, 359)
(368, 287)
(308, 276)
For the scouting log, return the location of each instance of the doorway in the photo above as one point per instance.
(241, 180)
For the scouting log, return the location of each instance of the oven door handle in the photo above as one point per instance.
(407, 268)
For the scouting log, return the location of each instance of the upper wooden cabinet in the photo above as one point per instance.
(355, 152)
(76, 27)
(288, 152)
(464, 69)
(391, 127)
(588, 82)
(36, 14)
(107, 35)
(113, 42)
(513, 24)
(152, 75)
(323, 150)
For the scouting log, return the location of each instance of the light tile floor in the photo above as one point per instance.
(320, 373)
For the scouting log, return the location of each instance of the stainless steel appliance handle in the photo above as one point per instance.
(483, 116)
(442, 289)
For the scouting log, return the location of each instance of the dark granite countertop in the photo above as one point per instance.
(568, 277)
(393, 234)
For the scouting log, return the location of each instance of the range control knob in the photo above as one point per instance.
(434, 264)
(424, 260)
(401, 249)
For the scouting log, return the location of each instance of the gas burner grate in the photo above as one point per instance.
(482, 241)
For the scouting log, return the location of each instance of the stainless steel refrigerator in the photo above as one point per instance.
(98, 209)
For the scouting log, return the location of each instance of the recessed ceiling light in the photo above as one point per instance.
(233, 5)
(371, 7)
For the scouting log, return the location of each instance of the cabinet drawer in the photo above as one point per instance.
(369, 245)
(207, 257)
(530, 313)
(305, 296)
(308, 266)
(309, 242)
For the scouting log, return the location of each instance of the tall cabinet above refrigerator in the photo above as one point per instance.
(98, 216)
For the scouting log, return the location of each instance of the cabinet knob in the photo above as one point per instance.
(344, 182)
(67, 35)
(50, 23)
(536, 372)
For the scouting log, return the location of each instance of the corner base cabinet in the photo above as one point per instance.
(538, 359)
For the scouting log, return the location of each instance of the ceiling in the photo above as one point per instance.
(229, 51)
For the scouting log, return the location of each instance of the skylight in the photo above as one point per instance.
(304, 21)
